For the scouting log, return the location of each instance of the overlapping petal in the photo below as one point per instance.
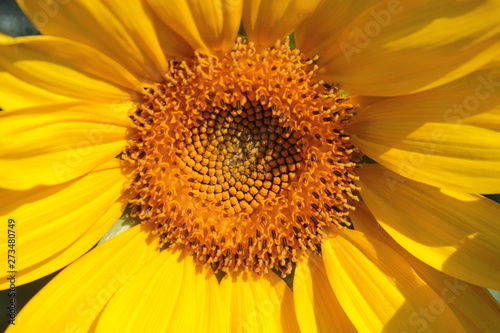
(91, 282)
(446, 137)
(169, 293)
(124, 30)
(67, 255)
(267, 21)
(391, 48)
(321, 30)
(254, 303)
(207, 26)
(52, 144)
(50, 219)
(317, 307)
(378, 289)
(67, 68)
(474, 306)
(17, 93)
(456, 233)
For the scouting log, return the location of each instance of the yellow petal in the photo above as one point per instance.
(169, 294)
(67, 68)
(364, 101)
(317, 307)
(378, 289)
(321, 30)
(476, 309)
(17, 93)
(454, 232)
(123, 30)
(474, 306)
(267, 21)
(173, 45)
(79, 292)
(394, 48)
(257, 303)
(61, 214)
(208, 26)
(76, 249)
(53, 144)
(446, 137)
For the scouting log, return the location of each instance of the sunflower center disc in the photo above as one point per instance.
(242, 160)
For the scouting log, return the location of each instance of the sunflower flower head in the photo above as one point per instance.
(292, 166)
(243, 159)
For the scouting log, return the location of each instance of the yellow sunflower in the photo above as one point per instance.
(339, 146)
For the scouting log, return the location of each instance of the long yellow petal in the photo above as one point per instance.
(208, 26)
(474, 306)
(80, 292)
(73, 251)
(317, 307)
(254, 303)
(123, 30)
(61, 214)
(391, 48)
(16, 93)
(169, 294)
(378, 289)
(67, 68)
(454, 232)
(267, 21)
(52, 144)
(446, 137)
(321, 30)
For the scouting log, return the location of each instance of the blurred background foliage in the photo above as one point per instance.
(14, 23)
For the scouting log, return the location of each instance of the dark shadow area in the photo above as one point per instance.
(22, 295)
(13, 22)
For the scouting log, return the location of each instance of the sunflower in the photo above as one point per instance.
(308, 166)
